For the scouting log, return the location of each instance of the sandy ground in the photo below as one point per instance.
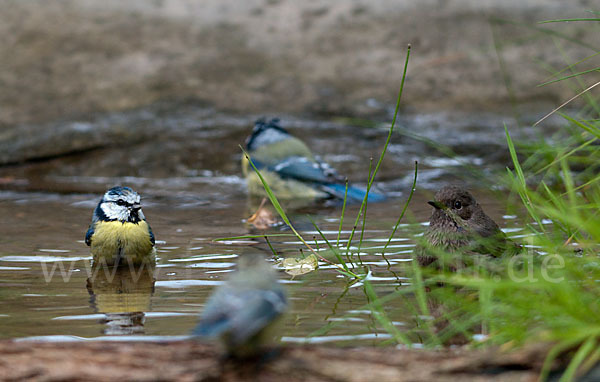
(61, 58)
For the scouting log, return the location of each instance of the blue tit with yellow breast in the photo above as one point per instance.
(119, 232)
(290, 168)
(244, 311)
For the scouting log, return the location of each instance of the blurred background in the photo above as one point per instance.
(81, 75)
(66, 59)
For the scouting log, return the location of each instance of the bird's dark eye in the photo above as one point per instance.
(121, 202)
(457, 205)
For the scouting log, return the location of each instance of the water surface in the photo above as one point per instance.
(45, 267)
(193, 194)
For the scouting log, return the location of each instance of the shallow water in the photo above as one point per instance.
(46, 209)
(43, 241)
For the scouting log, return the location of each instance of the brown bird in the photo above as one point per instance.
(459, 225)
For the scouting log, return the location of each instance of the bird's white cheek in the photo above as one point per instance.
(114, 211)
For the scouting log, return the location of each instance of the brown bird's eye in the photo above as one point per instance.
(457, 205)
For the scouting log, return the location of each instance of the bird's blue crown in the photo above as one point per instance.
(116, 192)
(266, 132)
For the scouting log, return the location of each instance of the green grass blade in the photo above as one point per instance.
(569, 76)
(521, 184)
(335, 250)
(410, 195)
(337, 243)
(378, 312)
(383, 151)
(283, 215)
(567, 20)
(270, 246)
(582, 353)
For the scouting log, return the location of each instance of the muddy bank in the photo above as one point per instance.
(61, 59)
(188, 141)
(192, 361)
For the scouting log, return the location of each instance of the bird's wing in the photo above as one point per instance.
(259, 310)
(240, 314)
(152, 239)
(218, 311)
(304, 169)
(89, 233)
(291, 158)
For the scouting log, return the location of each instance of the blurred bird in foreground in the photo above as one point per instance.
(291, 170)
(459, 225)
(243, 311)
(119, 232)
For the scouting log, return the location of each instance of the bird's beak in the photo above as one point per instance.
(435, 204)
(136, 207)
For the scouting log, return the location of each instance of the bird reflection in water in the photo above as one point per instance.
(123, 293)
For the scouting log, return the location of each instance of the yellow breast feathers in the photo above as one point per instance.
(114, 239)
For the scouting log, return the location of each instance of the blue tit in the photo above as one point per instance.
(119, 231)
(244, 310)
(291, 170)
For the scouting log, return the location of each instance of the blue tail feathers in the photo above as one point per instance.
(355, 194)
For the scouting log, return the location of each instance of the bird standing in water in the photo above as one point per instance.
(459, 225)
(119, 232)
(244, 309)
(291, 170)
